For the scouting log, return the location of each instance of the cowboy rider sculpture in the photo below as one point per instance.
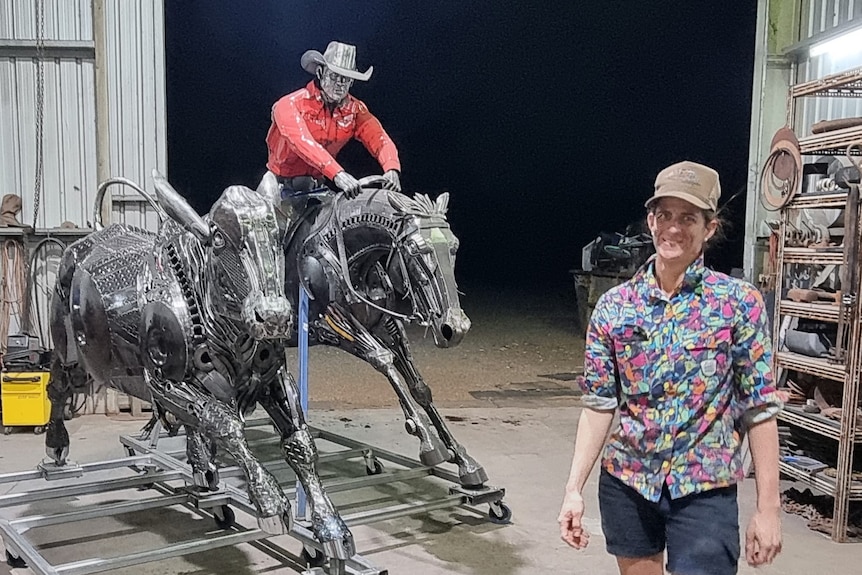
(311, 125)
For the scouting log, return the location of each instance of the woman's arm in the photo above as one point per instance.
(593, 427)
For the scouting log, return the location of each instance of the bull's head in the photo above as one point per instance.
(243, 262)
(426, 265)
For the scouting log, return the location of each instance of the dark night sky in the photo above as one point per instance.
(547, 121)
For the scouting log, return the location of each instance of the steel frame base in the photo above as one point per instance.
(157, 469)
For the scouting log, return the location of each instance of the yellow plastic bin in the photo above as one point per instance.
(25, 399)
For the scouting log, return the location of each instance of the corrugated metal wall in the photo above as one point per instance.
(69, 114)
(136, 104)
(819, 17)
(136, 115)
(136, 75)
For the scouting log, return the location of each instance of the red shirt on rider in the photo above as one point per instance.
(311, 125)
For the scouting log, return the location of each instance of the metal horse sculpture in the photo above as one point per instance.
(195, 318)
(370, 265)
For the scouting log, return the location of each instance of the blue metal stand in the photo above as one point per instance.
(302, 334)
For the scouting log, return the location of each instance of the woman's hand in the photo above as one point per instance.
(571, 514)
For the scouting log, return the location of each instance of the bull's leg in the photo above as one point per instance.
(219, 421)
(282, 404)
(470, 473)
(65, 381)
(201, 454)
(354, 338)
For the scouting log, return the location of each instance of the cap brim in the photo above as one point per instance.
(697, 202)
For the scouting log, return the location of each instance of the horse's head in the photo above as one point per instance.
(243, 263)
(426, 265)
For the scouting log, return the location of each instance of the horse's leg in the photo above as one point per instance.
(470, 473)
(357, 340)
(201, 454)
(216, 419)
(282, 404)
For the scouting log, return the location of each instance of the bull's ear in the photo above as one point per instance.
(178, 209)
(442, 203)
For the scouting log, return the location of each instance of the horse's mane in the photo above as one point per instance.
(383, 210)
(420, 205)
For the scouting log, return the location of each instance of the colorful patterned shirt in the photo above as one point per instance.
(687, 373)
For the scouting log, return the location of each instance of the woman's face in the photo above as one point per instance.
(679, 230)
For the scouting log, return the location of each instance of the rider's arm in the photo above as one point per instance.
(370, 132)
(291, 125)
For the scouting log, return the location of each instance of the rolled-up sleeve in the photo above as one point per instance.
(599, 382)
(756, 398)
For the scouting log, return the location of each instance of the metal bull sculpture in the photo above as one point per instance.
(195, 318)
(371, 265)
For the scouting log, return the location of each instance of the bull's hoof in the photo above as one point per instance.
(472, 477)
(436, 455)
(342, 548)
(206, 480)
(276, 524)
(58, 455)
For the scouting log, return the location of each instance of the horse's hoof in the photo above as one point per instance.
(435, 456)
(342, 549)
(275, 524)
(474, 477)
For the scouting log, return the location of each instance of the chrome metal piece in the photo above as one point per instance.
(371, 264)
(186, 318)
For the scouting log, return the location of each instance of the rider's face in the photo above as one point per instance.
(333, 85)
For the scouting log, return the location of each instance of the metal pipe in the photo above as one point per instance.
(11, 499)
(103, 134)
(31, 521)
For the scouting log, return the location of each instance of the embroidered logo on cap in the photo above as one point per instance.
(688, 176)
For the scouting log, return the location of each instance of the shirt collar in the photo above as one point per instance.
(692, 281)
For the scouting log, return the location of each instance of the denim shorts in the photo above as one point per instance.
(699, 531)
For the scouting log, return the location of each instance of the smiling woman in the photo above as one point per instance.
(684, 353)
(682, 219)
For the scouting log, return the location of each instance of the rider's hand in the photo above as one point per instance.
(393, 180)
(348, 184)
(572, 530)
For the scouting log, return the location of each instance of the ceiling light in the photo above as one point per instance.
(844, 45)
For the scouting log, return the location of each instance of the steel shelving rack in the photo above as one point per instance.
(843, 366)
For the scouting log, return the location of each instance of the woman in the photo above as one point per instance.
(684, 353)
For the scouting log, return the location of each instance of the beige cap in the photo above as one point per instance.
(689, 181)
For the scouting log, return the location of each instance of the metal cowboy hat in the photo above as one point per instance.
(340, 58)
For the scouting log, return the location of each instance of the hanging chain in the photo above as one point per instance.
(40, 107)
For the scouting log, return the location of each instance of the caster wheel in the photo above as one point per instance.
(39, 430)
(15, 562)
(500, 513)
(7, 430)
(224, 517)
(312, 557)
(375, 468)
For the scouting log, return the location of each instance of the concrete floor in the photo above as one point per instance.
(526, 450)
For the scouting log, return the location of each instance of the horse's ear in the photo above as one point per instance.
(399, 202)
(178, 209)
(442, 203)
